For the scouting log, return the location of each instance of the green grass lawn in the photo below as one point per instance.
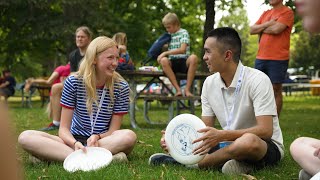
(300, 117)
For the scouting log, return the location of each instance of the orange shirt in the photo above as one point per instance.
(276, 46)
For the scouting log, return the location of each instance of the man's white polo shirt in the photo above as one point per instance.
(255, 98)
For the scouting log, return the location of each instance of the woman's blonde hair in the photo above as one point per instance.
(87, 70)
(120, 38)
(171, 18)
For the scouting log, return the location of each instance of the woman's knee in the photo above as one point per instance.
(25, 137)
(129, 137)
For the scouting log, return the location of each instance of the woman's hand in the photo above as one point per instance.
(92, 141)
(79, 145)
(163, 142)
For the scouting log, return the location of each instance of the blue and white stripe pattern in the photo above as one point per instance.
(74, 97)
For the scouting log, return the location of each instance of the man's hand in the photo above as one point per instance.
(163, 142)
(209, 139)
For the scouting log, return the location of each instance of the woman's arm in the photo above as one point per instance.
(64, 130)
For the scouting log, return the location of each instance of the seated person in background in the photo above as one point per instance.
(94, 101)
(7, 86)
(242, 100)
(83, 36)
(178, 58)
(125, 62)
(59, 74)
(306, 150)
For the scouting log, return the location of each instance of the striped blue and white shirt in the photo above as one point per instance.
(74, 97)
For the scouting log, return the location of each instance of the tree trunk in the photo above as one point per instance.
(208, 26)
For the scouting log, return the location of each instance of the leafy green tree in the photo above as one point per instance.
(237, 19)
(305, 51)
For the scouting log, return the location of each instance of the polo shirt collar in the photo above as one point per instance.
(235, 77)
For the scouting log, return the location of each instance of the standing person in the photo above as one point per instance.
(306, 150)
(241, 99)
(274, 29)
(125, 62)
(7, 86)
(178, 58)
(94, 101)
(83, 37)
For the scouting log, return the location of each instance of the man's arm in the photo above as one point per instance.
(208, 120)
(263, 129)
(259, 28)
(276, 28)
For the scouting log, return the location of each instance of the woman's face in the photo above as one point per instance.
(107, 62)
(309, 10)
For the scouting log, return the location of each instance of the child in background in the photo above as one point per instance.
(125, 62)
(178, 58)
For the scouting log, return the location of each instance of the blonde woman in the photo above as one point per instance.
(93, 102)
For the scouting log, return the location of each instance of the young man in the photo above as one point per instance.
(178, 58)
(274, 29)
(242, 100)
(83, 38)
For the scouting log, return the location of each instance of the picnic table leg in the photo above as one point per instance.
(132, 107)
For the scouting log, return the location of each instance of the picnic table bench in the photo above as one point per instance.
(43, 90)
(150, 77)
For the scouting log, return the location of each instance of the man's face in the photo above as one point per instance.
(171, 28)
(309, 10)
(82, 40)
(212, 55)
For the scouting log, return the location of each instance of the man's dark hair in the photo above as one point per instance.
(229, 40)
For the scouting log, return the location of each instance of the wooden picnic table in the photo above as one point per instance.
(150, 77)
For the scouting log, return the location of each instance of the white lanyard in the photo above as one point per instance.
(93, 122)
(229, 117)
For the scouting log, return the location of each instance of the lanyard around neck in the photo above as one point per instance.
(93, 121)
(229, 118)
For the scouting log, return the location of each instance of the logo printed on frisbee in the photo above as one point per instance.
(180, 133)
(183, 135)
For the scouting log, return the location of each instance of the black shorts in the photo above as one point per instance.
(82, 139)
(272, 157)
(179, 65)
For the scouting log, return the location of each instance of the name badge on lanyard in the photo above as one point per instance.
(229, 117)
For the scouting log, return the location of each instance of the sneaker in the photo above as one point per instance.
(50, 127)
(303, 175)
(161, 158)
(235, 167)
(120, 157)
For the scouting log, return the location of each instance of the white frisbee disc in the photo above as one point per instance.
(95, 158)
(316, 176)
(180, 133)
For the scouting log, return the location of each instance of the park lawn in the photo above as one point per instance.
(299, 117)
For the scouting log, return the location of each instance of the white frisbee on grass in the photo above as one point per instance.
(95, 158)
(180, 133)
(316, 176)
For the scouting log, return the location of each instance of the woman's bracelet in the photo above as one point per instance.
(75, 142)
(99, 136)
